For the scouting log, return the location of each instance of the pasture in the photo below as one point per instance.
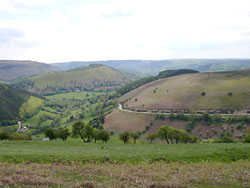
(75, 164)
(75, 150)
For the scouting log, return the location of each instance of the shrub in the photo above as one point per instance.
(17, 136)
(4, 136)
(226, 139)
(247, 138)
(203, 94)
(230, 94)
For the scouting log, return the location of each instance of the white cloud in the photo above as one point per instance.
(130, 29)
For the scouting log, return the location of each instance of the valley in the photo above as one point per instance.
(202, 129)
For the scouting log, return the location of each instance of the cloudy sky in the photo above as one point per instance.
(68, 30)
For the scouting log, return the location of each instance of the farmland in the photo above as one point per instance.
(73, 163)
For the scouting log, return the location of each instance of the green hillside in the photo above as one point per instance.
(10, 69)
(221, 90)
(91, 78)
(12, 100)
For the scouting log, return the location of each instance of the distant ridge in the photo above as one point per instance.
(12, 69)
(153, 67)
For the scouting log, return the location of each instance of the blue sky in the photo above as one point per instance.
(68, 30)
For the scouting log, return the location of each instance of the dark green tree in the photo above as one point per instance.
(104, 135)
(125, 136)
(64, 134)
(164, 133)
(78, 130)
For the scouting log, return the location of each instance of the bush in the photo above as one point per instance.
(17, 136)
(247, 138)
(4, 136)
(203, 94)
(226, 139)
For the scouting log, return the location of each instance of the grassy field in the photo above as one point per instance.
(184, 92)
(75, 164)
(74, 95)
(30, 106)
(75, 150)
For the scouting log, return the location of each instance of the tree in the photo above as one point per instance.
(89, 132)
(78, 130)
(176, 134)
(51, 133)
(96, 135)
(164, 132)
(125, 136)
(152, 137)
(104, 135)
(64, 134)
(184, 136)
(4, 136)
(135, 136)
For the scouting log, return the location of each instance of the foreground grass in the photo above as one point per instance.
(153, 175)
(75, 150)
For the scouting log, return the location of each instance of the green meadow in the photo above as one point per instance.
(75, 150)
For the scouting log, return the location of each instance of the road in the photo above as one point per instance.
(135, 112)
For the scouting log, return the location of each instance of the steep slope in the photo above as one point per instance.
(221, 90)
(10, 69)
(153, 67)
(91, 78)
(11, 101)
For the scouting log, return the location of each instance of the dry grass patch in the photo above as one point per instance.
(147, 175)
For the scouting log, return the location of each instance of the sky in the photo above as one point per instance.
(85, 30)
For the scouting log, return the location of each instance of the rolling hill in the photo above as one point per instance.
(11, 69)
(91, 78)
(198, 93)
(215, 90)
(15, 104)
(153, 67)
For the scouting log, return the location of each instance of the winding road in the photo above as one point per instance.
(136, 112)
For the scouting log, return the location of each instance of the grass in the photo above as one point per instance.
(107, 174)
(75, 150)
(74, 95)
(184, 92)
(30, 105)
